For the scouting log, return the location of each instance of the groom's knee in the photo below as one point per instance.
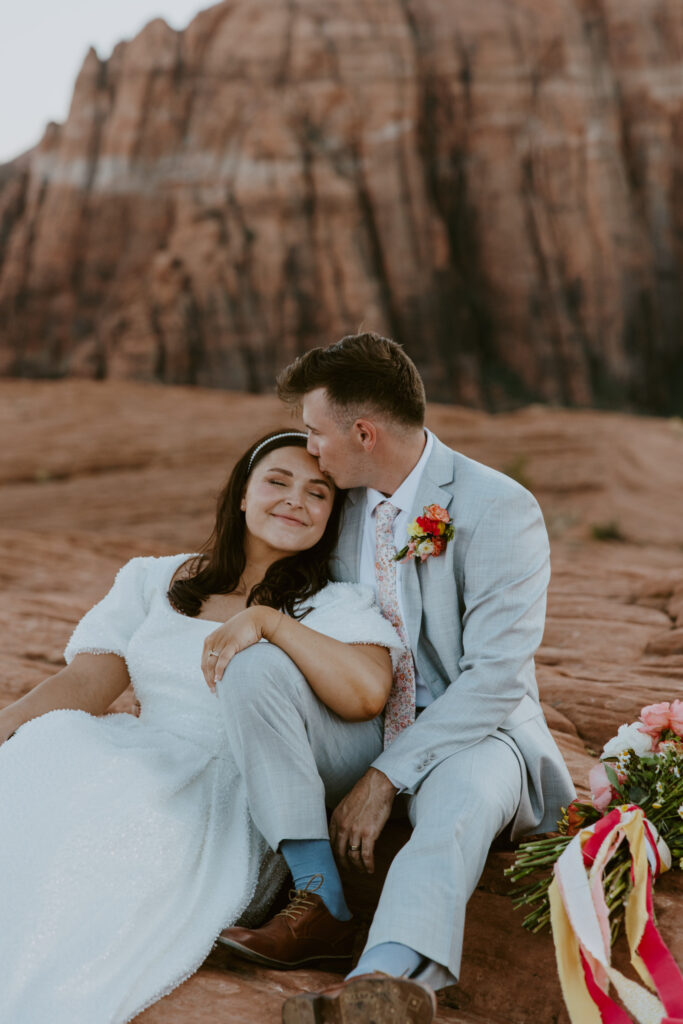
(260, 673)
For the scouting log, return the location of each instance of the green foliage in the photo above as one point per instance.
(607, 531)
(517, 469)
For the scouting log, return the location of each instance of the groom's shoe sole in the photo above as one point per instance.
(364, 1000)
(244, 953)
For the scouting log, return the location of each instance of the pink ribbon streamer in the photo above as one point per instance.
(652, 949)
(662, 967)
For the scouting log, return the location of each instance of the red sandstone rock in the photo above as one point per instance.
(494, 185)
(98, 472)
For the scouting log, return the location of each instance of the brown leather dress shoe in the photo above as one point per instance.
(367, 999)
(305, 931)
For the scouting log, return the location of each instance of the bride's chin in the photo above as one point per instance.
(284, 548)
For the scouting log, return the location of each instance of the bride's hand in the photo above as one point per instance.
(241, 631)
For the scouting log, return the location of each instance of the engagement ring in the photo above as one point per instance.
(213, 654)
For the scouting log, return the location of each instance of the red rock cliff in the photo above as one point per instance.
(497, 184)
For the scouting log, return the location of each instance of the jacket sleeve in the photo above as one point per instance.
(506, 570)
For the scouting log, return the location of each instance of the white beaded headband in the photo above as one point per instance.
(269, 440)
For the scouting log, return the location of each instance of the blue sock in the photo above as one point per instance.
(308, 857)
(391, 958)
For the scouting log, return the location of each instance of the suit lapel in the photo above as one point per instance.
(439, 470)
(351, 537)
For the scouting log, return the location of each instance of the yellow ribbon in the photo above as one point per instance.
(645, 1007)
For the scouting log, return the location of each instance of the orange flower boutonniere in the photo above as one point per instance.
(429, 534)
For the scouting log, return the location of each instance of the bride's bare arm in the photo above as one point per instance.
(90, 683)
(353, 680)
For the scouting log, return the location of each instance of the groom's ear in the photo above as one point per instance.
(365, 432)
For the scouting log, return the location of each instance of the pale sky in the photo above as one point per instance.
(42, 46)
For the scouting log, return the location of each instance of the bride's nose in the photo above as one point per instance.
(293, 501)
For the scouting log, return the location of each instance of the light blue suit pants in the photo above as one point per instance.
(297, 756)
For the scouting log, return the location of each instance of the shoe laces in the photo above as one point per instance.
(299, 899)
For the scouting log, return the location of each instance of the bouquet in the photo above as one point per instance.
(641, 766)
(604, 862)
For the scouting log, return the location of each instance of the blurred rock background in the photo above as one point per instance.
(496, 184)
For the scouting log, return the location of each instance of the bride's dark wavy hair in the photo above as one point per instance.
(218, 567)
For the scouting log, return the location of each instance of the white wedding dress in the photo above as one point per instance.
(127, 843)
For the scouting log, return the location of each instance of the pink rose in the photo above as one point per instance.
(601, 788)
(436, 512)
(655, 718)
(676, 717)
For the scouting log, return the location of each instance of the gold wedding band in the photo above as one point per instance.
(213, 654)
(354, 849)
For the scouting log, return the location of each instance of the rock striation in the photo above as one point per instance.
(101, 471)
(495, 183)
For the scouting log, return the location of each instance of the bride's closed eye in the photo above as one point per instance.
(281, 483)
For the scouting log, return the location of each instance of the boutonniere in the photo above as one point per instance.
(429, 534)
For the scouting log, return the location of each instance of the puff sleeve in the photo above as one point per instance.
(108, 627)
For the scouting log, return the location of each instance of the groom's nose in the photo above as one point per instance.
(312, 446)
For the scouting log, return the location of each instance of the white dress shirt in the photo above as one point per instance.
(403, 499)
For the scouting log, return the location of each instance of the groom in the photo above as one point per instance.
(464, 738)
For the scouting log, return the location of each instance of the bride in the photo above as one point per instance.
(127, 843)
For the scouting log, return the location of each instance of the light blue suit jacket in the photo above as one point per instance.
(474, 617)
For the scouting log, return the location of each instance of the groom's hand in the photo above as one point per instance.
(359, 818)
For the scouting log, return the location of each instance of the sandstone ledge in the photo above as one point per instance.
(97, 473)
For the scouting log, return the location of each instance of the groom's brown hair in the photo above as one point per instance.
(360, 370)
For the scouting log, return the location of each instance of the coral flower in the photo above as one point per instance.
(436, 512)
(656, 718)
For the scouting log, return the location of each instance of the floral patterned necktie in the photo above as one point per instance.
(400, 707)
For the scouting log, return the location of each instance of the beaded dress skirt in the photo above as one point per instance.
(127, 843)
